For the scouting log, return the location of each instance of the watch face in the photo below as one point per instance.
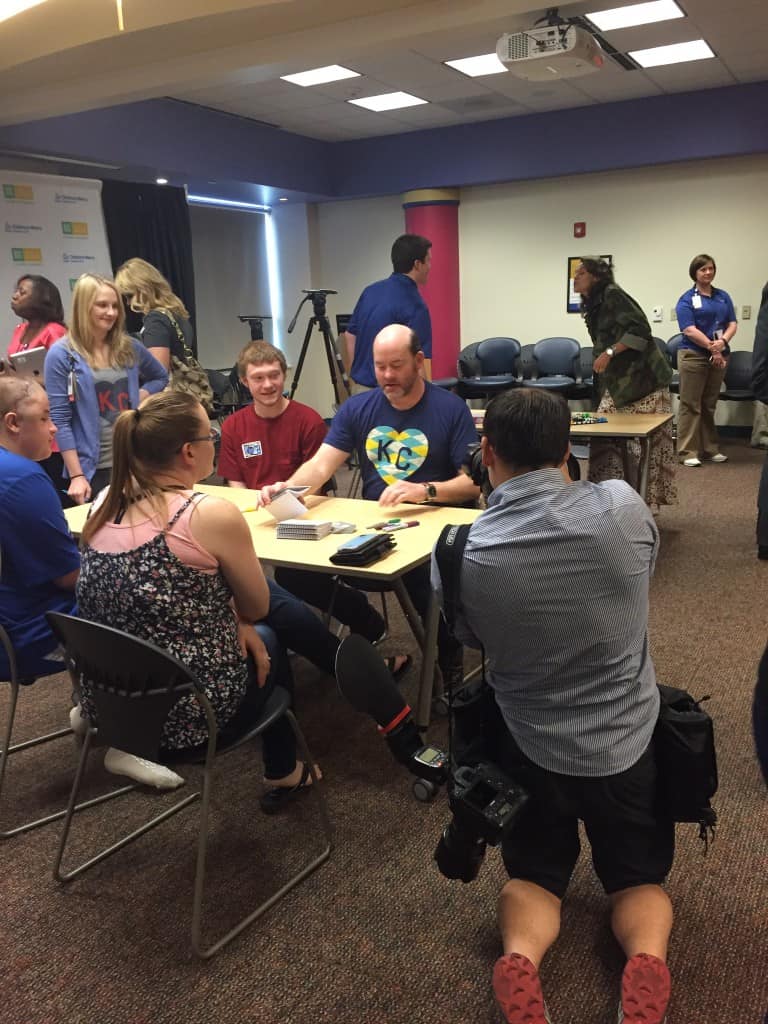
(431, 490)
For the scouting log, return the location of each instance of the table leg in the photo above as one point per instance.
(645, 463)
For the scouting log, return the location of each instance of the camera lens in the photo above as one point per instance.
(459, 854)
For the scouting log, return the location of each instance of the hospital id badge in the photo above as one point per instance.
(697, 302)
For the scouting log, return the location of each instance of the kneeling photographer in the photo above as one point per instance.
(553, 584)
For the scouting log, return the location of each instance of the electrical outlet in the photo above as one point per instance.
(657, 314)
(673, 313)
(746, 312)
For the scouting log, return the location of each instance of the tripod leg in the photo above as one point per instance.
(302, 356)
(341, 387)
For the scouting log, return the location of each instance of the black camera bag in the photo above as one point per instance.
(684, 742)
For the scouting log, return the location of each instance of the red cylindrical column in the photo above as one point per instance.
(434, 213)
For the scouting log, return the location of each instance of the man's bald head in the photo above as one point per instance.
(398, 362)
(25, 420)
(397, 336)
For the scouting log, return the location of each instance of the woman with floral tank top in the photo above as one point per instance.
(178, 568)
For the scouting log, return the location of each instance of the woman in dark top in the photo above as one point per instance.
(760, 387)
(166, 329)
(632, 377)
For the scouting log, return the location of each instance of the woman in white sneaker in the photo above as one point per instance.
(707, 321)
(179, 568)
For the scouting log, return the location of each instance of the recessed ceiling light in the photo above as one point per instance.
(331, 73)
(388, 101)
(676, 53)
(485, 64)
(9, 8)
(161, 181)
(635, 14)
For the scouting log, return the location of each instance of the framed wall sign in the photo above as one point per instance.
(573, 299)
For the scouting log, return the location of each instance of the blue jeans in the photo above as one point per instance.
(297, 627)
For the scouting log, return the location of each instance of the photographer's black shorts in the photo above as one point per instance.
(630, 844)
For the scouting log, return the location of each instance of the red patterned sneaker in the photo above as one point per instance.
(645, 990)
(517, 989)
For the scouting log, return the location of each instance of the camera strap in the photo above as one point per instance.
(449, 553)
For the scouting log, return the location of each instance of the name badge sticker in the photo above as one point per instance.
(697, 301)
(251, 449)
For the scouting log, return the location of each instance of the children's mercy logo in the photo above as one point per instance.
(78, 228)
(18, 193)
(396, 454)
(26, 255)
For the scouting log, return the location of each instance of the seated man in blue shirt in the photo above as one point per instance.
(395, 300)
(411, 440)
(40, 562)
(576, 691)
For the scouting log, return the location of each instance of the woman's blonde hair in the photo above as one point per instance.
(121, 351)
(145, 442)
(147, 289)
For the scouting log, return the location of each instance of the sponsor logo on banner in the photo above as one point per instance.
(27, 255)
(77, 257)
(19, 193)
(72, 282)
(66, 197)
(78, 228)
(21, 229)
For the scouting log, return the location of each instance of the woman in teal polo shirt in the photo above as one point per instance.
(707, 321)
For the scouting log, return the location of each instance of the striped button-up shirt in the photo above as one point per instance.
(554, 585)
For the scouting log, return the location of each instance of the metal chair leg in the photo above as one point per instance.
(206, 952)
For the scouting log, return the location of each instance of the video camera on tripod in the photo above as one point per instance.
(484, 801)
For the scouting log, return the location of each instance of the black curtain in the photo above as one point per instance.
(151, 221)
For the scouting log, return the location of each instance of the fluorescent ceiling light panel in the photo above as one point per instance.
(10, 8)
(485, 64)
(676, 53)
(228, 204)
(635, 14)
(388, 101)
(331, 73)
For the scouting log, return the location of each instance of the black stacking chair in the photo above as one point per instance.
(738, 378)
(134, 685)
(556, 364)
(16, 684)
(496, 359)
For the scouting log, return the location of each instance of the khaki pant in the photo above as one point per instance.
(700, 383)
(358, 389)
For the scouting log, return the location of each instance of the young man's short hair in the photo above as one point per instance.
(258, 353)
(528, 427)
(406, 250)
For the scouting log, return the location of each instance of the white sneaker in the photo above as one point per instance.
(692, 462)
(149, 773)
(78, 723)
(718, 458)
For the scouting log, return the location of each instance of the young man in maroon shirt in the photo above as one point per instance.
(272, 437)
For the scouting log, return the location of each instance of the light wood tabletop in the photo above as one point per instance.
(619, 424)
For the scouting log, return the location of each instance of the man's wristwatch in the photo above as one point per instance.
(609, 351)
(430, 492)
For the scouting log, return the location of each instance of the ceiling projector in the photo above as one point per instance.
(555, 51)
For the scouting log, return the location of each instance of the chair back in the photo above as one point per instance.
(661, 345)
(468, 365)
(498, 356)
(132, 683)
(526, 364)
(738, 372)
(557, 357)
(673, 347)
(586, 359)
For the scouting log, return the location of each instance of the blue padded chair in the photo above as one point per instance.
(738, 378)
(583, 388)
(497, 359)
(673, 346)
(556, 364)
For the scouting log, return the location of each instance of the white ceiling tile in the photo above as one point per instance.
(700, 74)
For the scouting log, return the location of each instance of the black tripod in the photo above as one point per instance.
(339, 379)
(254, 321)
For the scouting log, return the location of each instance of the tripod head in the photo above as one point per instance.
(317, 295)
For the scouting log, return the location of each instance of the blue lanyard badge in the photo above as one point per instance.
(696, 300)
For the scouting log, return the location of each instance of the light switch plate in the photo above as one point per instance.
(746, 312)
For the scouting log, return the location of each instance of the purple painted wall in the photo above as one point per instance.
(198, 145)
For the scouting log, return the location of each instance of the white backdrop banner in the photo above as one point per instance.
(51, 226)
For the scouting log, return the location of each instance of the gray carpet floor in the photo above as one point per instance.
(377, 935)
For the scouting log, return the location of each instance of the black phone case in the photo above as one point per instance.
(374, 549)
